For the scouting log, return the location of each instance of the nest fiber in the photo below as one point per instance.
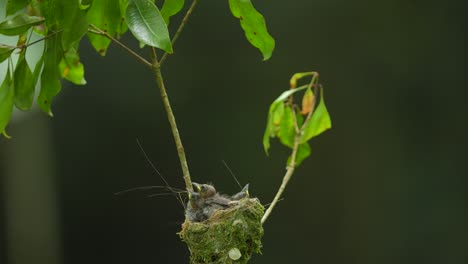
(228, 236)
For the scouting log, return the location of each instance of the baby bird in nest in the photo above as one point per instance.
(206, 201)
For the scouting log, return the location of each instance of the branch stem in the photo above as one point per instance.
(32, 43)
(97, 31)
(286, 178)
(156, 67)
(181, 27)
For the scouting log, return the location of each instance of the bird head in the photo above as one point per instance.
(205, 190)
(194, 199)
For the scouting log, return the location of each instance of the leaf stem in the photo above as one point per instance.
(156, 67)
(97, 31)
(181, 27)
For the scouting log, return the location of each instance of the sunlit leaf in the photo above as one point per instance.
(24, 83)
(71, 68)
(297, 76)
(287, 130)
(75, 24)
(170, 8)
(267, 134)
(254, 26)
(13, 6)
(105, 15)
(85, 4)
(271, 128)
(303, 151)
(308, 101)
(5, 52)
(123, 23)
(288, 93)
(319, 122)
(19, 24)
(7, 97)
(147, 25)
(50, 83)
(278, 111)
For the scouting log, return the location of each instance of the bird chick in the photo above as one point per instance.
(212, 200)
(194, 210)
(242, 194)
(205, 190)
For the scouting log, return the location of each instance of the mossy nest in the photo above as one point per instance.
(228, 236)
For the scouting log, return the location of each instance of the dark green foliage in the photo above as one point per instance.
(63, 24)
(7, 97)
(19, 24)
(147, 24)
(25, 83)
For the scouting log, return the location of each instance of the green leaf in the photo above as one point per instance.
(107, 16)
(319, 122)
(278, 111)
(288, 93)
(74, 24)
(50, 77)
(19, 24)
(274, 113)
(13, 6)
(269, 132)
(5, 52)
(170, 8)
(24, 84)
(303, 151)
(85, 4)
(71, 68)
(254, 26)
(7, 96)
(147, 25)
(287, 131)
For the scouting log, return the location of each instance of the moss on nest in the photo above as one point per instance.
(229, 236)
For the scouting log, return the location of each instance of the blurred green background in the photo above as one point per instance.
(386, 185)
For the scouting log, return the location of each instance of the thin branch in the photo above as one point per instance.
(32, 43)
(97, 31)
(181, 27)
(286, 178)
(156, 66)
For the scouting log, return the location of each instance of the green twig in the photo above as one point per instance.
(156, 67)
(181, 27)
(23, 46)
(97, 31)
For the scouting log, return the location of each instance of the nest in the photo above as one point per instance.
(228, 236)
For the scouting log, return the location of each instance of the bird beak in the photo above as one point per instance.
(197, 186)
(246, 189)
(192, 195)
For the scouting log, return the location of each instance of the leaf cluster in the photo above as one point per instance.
(62, 24)
(295, 126)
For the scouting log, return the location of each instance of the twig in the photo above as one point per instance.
(32, 43)
(286, 178)
(97, 31)
(297, 138)
(156, 66)
(181, 27)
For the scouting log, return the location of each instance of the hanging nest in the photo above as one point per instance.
(228, 236)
